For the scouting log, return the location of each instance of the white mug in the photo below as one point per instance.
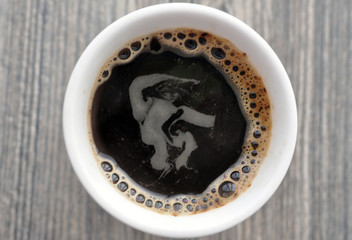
(261, 56)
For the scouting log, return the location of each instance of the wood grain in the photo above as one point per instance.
(40, 196)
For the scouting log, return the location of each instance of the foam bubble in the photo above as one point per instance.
(177, 207)
(235, 175)
(246, 169)
(105, 73)
(181, 35)
(202, 40)
(191, 44)
(192, 34)
(122, 186)
(218, 53)
(167, 35)
(124, 54)
(106, 166)
(252, 95)
(158, 204)
(149, 203)
(190, 208)
(115, 178)
(140, 198)
(257, 134)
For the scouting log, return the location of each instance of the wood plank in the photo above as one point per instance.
(40, 196)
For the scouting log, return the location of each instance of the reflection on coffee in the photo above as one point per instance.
(179, 121)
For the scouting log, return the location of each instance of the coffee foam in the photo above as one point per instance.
(254, 102)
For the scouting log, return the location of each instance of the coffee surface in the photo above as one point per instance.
(192, 129)
(180, 121)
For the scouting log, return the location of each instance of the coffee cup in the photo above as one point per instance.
(262, 58)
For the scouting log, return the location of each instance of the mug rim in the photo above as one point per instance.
(76, 101)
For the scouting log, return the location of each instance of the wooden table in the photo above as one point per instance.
(40, 42)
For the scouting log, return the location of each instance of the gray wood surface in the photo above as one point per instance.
(40, 42)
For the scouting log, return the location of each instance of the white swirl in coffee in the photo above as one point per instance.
(157, 115)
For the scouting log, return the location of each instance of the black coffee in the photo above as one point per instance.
(191, 132)
(180, 121)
